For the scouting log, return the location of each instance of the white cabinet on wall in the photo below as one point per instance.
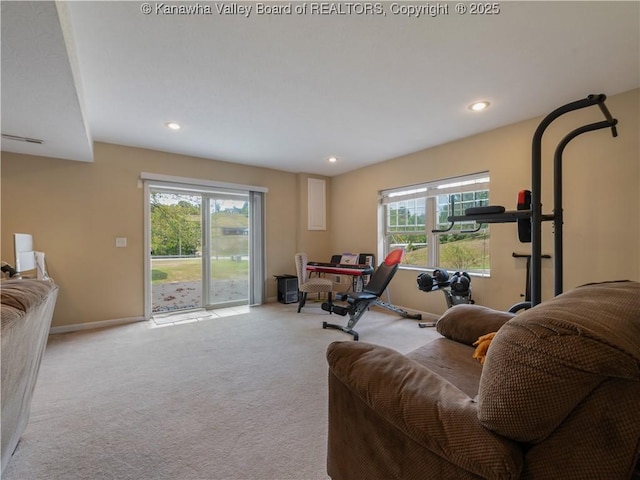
(317, 206)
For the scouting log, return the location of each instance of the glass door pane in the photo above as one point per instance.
(229, 259)
(176, 251)
(205, 248)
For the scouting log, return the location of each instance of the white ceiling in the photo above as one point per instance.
(287, 91)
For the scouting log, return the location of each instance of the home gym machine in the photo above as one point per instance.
(529, 216)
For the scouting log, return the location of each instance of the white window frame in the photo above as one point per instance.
(429, 191)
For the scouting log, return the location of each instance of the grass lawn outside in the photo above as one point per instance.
(190, 269)
(470, 254)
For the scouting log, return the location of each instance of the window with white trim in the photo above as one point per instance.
(415, 217)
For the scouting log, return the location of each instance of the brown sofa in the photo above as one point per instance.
(26, 312)
(558, 396)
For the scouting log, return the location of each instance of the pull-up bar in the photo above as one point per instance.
(495, 214)
(536, 183)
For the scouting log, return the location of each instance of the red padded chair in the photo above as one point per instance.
(359, 302)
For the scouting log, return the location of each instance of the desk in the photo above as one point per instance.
(358, 272)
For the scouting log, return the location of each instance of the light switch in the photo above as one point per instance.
(121, 241)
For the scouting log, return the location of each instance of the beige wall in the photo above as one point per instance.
(76, 210)
(601, 200)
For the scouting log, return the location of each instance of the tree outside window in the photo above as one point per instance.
(414, 219)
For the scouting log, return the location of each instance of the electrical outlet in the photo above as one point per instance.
(121, 242)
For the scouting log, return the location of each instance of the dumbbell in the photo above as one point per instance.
(425, 282)
(460, 282)
(441, 277)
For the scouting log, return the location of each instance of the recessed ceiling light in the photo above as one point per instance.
(332, 159)
(479, 106)
(173, 125)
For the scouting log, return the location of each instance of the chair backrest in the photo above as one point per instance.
(301, 267)
(385, 272)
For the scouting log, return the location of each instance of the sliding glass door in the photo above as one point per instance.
(205, 248)
(176, 246)
(228, 241)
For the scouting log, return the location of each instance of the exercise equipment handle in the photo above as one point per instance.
(527, 255)
(558, 217)
(605, 111)
(451, 224)
(475, 230)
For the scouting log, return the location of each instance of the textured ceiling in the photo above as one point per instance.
(287, 91)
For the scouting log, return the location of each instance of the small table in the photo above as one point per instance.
(287, 288)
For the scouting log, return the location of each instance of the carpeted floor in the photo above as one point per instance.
(234, 397)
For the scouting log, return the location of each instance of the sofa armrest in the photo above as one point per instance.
(465, 323)
(25, 319)
(380, 397)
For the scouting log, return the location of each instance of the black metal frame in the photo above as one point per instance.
(535, 212)
(357, 303)
(527, 286)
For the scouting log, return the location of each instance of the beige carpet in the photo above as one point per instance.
(234, 397)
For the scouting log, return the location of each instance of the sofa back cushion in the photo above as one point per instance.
(545, 361)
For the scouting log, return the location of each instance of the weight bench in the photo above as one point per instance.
(359, 302)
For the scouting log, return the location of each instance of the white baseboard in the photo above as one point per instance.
(92, 325)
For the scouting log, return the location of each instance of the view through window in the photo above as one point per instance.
(415, 217)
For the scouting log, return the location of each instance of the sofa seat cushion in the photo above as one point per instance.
(451, 356)
(570, 345)
(451, 360)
